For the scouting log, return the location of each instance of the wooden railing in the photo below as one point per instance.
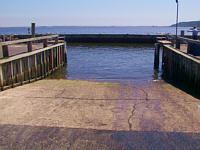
(29, 41)
(193, 46)
(31, 66)
(181, 68)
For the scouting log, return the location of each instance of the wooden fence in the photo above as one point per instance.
(31, 66)
(181, 68)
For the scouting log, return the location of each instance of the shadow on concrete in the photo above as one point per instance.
(54, 138)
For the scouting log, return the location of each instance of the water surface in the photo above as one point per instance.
(111, 62)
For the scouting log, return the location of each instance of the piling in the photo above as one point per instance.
(182, 33)
(157, 56)
(33, 29)
(178, 44)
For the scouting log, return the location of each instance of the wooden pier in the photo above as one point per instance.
(181, 63)
(30, 65)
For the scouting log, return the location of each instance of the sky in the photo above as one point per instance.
(14, 13)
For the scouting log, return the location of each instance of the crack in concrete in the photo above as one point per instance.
(134, 107)
(132, 115)
(129, 119)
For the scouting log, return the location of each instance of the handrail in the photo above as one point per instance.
(2, 61)
(189, 40)
(28, 40)
(183, 54)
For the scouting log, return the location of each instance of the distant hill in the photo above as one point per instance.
(188, 24)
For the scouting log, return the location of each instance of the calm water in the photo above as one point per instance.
(121, 63)
(152, 30)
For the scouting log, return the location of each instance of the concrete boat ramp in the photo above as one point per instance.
(86, 115)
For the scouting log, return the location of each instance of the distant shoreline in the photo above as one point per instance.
(50, 26)
(188, 24)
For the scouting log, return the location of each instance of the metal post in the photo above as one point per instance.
(177, 2)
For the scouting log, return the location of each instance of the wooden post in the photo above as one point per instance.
(11, 67)
(33, 29)
(182, 33)
(189, 48)
(1, 77)
(57, 56)
(51, 59)
(59, 50)
(30, 47)
(45, 43)
(178, 44)
(3, 38)
(29, 69)
(1, 51)
(56, 40)
(45, 63)
(10, 37)
(157, 56)
(42, 65)
(35, 56)
(5, 51)
(21, 71)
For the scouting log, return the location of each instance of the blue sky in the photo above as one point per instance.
(96, 12)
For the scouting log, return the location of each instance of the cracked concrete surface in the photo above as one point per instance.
(100, 106)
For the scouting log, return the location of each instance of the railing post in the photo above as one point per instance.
(51, 59)
(45, 43)
(59, 55)
(182, 33)
(35, 56)
(29, 69)
(5, 51)
(178, 44)
(1, 77)
(11, 67)
(3, 38)
(45, 64)
(21, 71)
(1, 51)
(41, 65)
(30, 47)
(56, 40)
(57, 50)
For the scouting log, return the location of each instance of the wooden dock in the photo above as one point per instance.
(31, 64)
(181, 63)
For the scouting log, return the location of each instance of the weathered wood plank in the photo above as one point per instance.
(28, 40)
(183, 54)
(182, 69)
(28, 54)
